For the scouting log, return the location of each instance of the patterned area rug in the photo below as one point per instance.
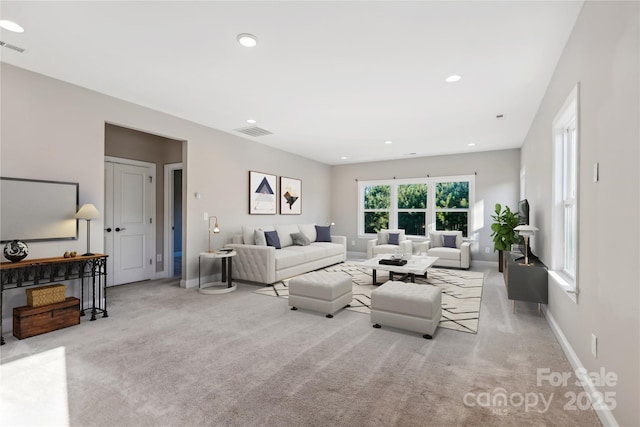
(461, 292)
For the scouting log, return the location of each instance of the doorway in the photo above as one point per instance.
(173, 213)
(129, 236)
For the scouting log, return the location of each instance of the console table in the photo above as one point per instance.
(33, 272)
(526, 282)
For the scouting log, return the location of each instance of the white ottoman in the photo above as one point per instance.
(407, 306)
(320, 291)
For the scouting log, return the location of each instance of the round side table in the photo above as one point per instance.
(226, 285)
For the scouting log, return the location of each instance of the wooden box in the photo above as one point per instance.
(45, 295)
(30, 321)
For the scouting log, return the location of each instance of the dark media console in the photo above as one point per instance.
(526, 282)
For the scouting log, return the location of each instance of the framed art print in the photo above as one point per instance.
(262, 193)
(290, 196)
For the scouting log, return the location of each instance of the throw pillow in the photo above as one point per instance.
(383, 237)
(323, 233)
(259, 237)
(272, 239)
(393, 238)
(449, 240)
(299, 239)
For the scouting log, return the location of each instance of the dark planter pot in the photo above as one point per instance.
(500, 261)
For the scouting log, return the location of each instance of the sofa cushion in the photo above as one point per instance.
(248, 233)
(290, 257)
(310, 253)
(309, 230)
(435, 239)
(383, 237)
(299, 239)
(323, 233)
(284, 233)
(259, 237)
(272, 239)
(330, 249)
(445, 253)
(449, 240)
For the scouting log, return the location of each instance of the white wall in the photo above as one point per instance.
(497, 181)
(603, 55)
(54, 130)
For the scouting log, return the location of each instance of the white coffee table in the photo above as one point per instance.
(417, 265)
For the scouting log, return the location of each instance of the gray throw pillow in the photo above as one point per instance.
(299, 239)
(258, 236)
(394, 238)
(272, 239)
(449, 240)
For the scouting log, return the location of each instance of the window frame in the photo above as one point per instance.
(430, 210)
(565, 217)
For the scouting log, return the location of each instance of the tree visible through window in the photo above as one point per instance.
(452, 206)
(377, 204)
(416, 205)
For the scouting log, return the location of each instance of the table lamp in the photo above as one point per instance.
(88, 212)
(214, 230)
(526, 231)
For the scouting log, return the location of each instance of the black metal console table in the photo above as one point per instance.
(40, 271)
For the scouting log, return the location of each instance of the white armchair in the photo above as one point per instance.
(449, 247)
(386, 243)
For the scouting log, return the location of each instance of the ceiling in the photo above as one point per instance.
(328, 79)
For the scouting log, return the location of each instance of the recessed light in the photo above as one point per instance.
(388, 142)
(452, 78)
(247, 40)
(251, 121)
(471, 144)
(343, 158)
(11, 26)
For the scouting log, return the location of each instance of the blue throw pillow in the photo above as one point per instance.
(272, 239)
(393, 238)
(449, 241)
(323, 233)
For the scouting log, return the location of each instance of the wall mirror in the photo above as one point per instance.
(34, 210)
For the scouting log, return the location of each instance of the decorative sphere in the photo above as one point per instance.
(16, 250)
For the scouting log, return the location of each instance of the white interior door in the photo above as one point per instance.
(129, 206)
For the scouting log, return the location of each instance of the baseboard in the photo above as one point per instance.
(604, 414)
(484, 264)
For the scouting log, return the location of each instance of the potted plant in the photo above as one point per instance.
(502, 231)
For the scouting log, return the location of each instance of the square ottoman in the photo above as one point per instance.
(321, 291)
(407, 306)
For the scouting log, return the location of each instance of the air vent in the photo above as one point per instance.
(12, 47)
(253, 131)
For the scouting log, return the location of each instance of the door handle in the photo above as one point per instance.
(120, 229)
(108, 230)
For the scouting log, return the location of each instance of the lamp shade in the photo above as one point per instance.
(526, 230)
(88, 211)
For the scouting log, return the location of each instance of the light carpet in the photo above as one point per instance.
(461, 292)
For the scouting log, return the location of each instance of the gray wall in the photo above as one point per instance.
(132, 144)
(602, 54)
(497, 181)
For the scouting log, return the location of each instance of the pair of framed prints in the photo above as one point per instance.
(264, 196)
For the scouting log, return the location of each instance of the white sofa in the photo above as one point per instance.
(458, 256)
(381, 245)
(266, 264)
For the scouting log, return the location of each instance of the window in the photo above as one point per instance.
(565, 193)
(377, 206)
(416, 205)
(452, 206)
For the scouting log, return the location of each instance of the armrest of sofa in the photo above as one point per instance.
(406, 246)
(370, 245)
(465, 255)
(342, 240)
(254, 263)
